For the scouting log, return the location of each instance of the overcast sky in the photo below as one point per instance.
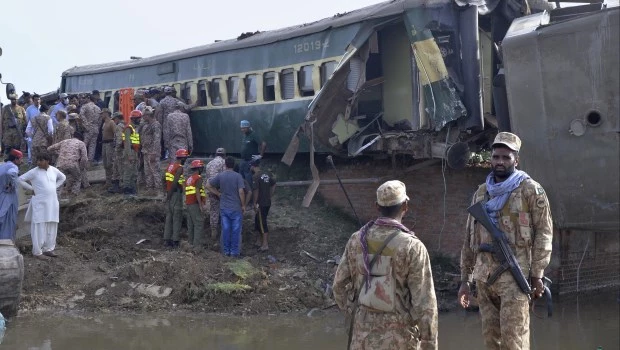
(41, 38)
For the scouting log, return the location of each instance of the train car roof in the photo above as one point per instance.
(384, 9)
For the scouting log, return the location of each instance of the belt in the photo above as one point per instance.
(107, 141)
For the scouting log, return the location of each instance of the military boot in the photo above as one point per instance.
(176, 244)
(167, 243)
(115, 187)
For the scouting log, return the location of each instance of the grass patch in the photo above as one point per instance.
(228, 288)
(241, 268)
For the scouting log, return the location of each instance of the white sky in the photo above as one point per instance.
(42, 38)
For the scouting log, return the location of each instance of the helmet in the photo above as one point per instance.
(196, 163)
(135, 114)
(182, 153)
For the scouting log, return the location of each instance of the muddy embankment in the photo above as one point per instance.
(101, 267)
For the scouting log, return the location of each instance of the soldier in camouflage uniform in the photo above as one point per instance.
(177, 131)
(108, 130)
(150, 139)
(63, 131)
(131, 149)
(117, 166)
(214, 167)
(72, 160)
(519, 207)
(13, 121)
(90, 115)
(40, 128)
(396, 303)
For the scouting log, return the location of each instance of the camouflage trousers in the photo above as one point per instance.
(152, 171)
(173, 147)
(195, 225)
(504, 310)
(107, 154)
(11, 139)
(130, 170)
(117, 165)
(74, 179)
(90, 139)
(214, 211)
(383, 331)
(174, 217)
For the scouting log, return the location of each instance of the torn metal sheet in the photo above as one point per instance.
(344, 129)
(443, 103)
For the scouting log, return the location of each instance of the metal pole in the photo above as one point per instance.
(331, 162)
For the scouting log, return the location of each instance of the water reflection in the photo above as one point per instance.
(583, 323)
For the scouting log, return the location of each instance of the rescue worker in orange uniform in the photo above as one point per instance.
(131, 150)
(195, 201)
(173, 182)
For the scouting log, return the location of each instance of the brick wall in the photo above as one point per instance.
(425, 188)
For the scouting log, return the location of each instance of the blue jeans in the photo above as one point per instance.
(231, 231)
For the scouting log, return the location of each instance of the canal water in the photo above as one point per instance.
(584, 323)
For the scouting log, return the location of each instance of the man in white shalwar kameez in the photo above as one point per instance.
(43, 210)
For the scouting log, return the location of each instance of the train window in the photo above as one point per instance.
(116, 101)
(304, 77)
(327, 69)
(287, 83)
(186, 92)
(233, 90)
(214, 89)
(202, 93)
(107, 97)
(250, 87)
(269, 86)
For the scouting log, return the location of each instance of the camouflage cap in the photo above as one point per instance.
(220, 150)
(148, 110)
(509, 140)
(73, 116)
(391, 193)
(105, 110)
(117, 115)
(169, 89)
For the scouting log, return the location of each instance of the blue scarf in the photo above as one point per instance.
(500, 192)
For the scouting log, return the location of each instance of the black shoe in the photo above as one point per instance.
(167, 243)
(175, 244)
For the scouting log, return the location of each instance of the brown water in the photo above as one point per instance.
(584, 323)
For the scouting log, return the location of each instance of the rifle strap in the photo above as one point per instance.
(370, 264)
(495, 275)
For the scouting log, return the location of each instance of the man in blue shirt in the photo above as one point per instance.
(229, 187)
(31, 112)
(62, 105)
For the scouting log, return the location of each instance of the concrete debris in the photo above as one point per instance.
(100, 291)
(151, 290)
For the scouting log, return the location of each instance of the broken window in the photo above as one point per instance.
(354, 80)
(327, 69)
(116, 101)
(233, 90)
(269, 86)
(202, 93)
(186, 92)
(287, 84)
(250, 87)
(214, 89)
(304, 77)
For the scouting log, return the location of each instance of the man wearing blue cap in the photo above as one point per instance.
(249, 150)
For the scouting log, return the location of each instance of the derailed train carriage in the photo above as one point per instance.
(271, 78)
(419, 77)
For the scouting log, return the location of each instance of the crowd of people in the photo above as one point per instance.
(79, 132)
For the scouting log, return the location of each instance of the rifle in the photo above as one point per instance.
(500, 248)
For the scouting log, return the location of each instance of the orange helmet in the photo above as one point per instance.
(197, 163)
(182, 153)
(135, 114)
